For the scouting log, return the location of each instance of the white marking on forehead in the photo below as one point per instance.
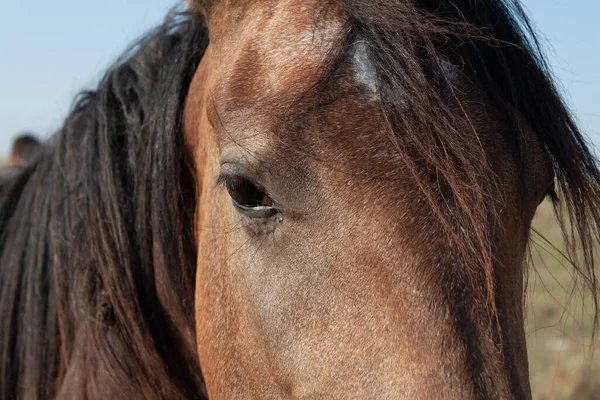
(364, 68)
(450, 70)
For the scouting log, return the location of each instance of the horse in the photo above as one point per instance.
(295, 199)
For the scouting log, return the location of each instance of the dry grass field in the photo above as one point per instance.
(559, 322)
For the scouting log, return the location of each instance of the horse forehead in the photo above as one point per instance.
(275, 48)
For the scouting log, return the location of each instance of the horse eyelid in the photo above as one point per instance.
(222, 179)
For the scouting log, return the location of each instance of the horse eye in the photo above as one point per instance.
(248, 198)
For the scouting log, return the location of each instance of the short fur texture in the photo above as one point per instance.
(97, 249)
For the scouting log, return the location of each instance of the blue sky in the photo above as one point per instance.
(50, 50)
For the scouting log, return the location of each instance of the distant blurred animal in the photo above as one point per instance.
(24, 150)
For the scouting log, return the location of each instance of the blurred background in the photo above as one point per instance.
(49, 51)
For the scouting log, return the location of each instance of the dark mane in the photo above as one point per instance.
(492, 43)
(94, 291)
(97, 295)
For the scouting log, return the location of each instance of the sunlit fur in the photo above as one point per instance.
(476, 133)
(98, 248)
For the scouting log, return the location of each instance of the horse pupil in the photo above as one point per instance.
(244, 192)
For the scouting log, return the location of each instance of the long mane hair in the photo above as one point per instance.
(96, 247)
(493, 44)
(97, 261)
